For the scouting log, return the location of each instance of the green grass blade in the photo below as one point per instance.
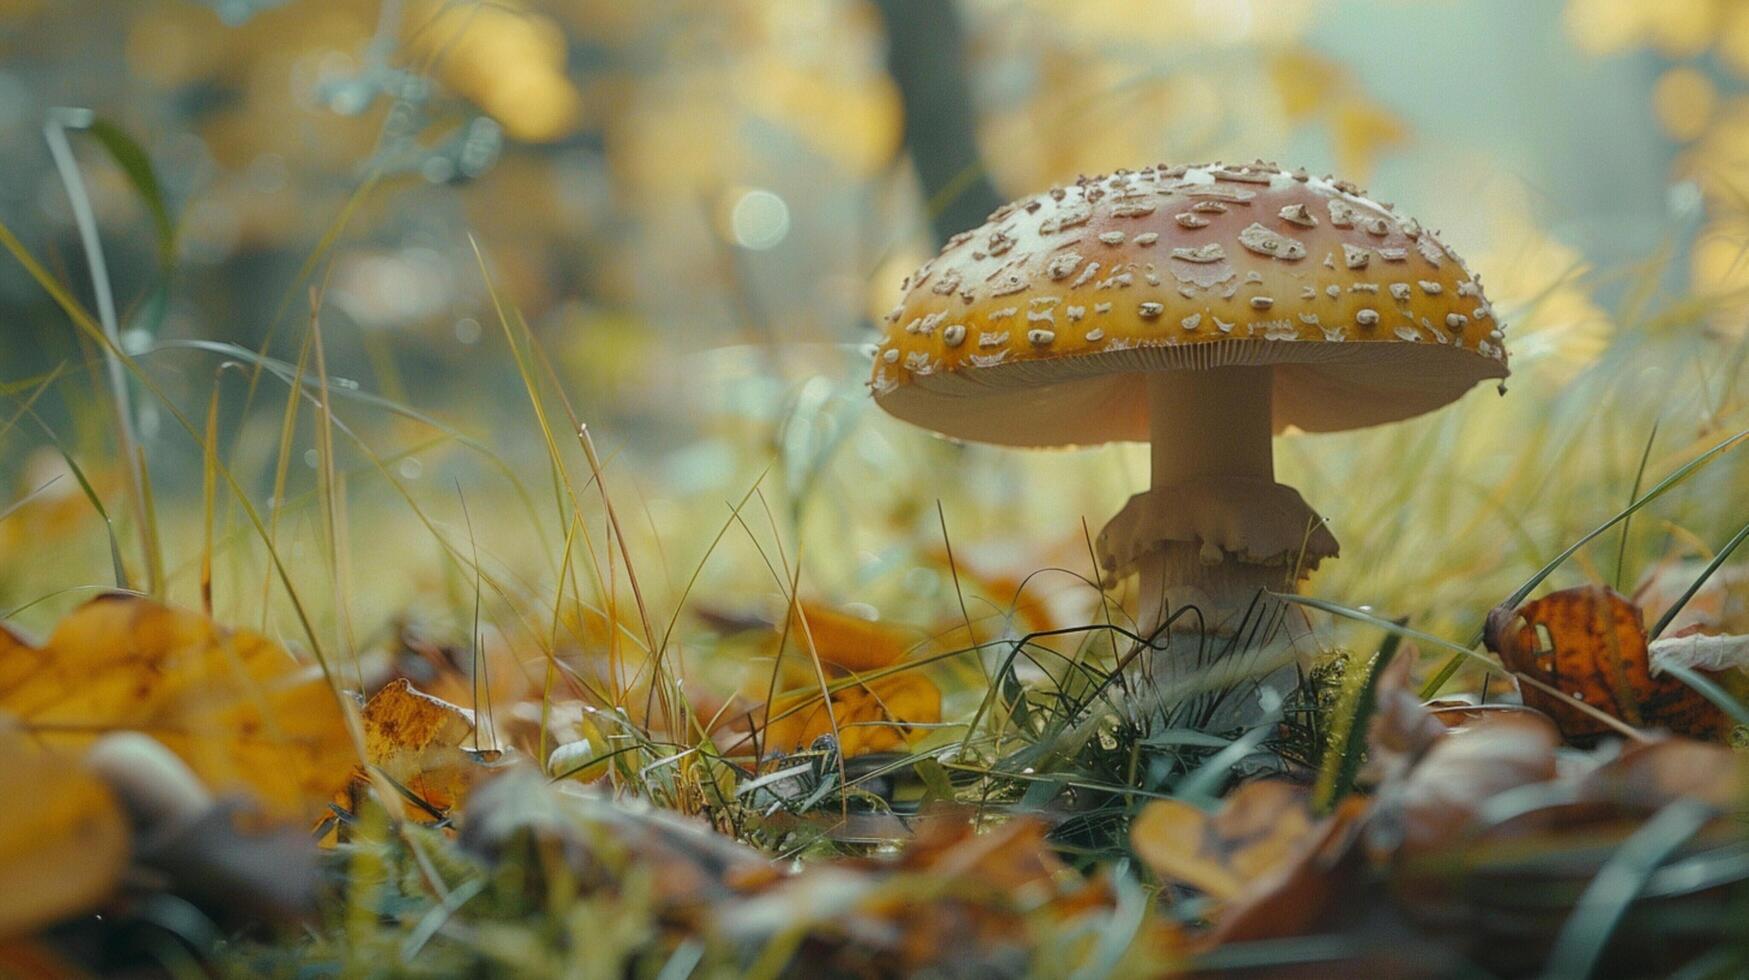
(1347, 746)
(137, 166)
(1670, 614)
(1579, 948)
(1437, 681)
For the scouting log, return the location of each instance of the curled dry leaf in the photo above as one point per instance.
(63, 841)
(1401, 729)
(1711, 653)
(1720, 606)
(1294, 896)
(1590, 643)
(952, 897)
(494, 673)
(524, 820)
(1652, 775)
(1505, 873)
(418, 741)
(1258, 829)
(1439, 797)
(873, 716)
(1459, 715)
(242, 712)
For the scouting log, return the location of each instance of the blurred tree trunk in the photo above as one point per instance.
(926, 57)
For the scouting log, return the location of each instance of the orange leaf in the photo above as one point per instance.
(876, 716)
(847, 641)
(417, 739)
(1590, 643)
(63, 840)
(1258, 829)
(242, 712)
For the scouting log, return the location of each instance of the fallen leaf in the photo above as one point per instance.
(1720, 606)
(1291, 897)
(1439, 797)
(1712, 653)
(587, 755)
(849, 642)
(1257, 830)
(873, 716)
(417, 740)
(490, 676)
(1590, 643)
(1402, 728)
(63, 839)
(953, 896)
(242, 712)
(1649, 776)
(1459, 715)
(1508, 870)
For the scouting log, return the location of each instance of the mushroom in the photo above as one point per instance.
(1201, 309)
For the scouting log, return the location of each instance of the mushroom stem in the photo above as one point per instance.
(1211, 424)
(1211, 433)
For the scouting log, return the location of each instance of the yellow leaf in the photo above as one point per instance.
(1258, 829)
(847, 641)
(509, 61)
(417, 740)
(242, 712)
(63, 840)
(876, 716)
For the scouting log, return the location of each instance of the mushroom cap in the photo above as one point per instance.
(1033, 329)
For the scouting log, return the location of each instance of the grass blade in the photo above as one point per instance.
(1670, 614)
(1580, 946)
(1348, 741)
(1437, 681)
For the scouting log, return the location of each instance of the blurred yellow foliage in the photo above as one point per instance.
(1677, 28)
(1539, 283)
(63, 838)
(508, 60)
(1315, 88)
(242, 712)
(1684, 100)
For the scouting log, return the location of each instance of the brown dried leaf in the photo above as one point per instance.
(1440, 796)
(1290, 898)
(1648, 776)
(1258, 829)
(1589, 642)
(954, 896)
(417, 740)
(241, 711)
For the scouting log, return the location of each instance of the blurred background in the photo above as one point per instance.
(700, 208)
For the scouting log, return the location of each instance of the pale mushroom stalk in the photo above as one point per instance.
(1215, 528)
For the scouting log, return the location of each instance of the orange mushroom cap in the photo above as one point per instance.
(1031, 330)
